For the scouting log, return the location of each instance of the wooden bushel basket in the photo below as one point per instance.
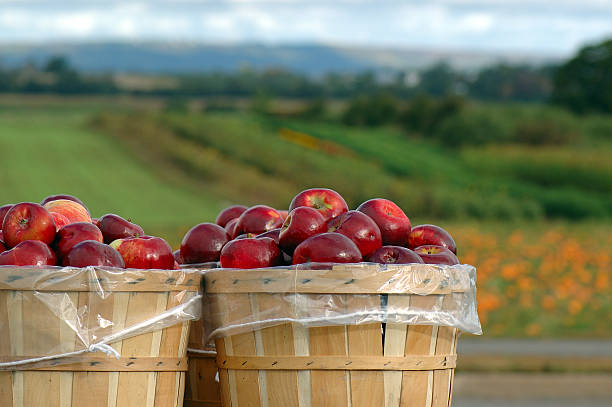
(365, 365)
(150, 370)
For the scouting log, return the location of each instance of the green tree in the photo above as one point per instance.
(584, 83)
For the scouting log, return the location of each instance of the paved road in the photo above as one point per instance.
(532, 390)
(470, 345)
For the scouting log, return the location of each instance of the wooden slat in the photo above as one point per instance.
(441, 379)
(420, 340)
(395, 345)
(6, 378)
(278, 341)
(41, 329)
(329, 388)
(91, 363)
(224, 380)
(360, 281)
(67, 279)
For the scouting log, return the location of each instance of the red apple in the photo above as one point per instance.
(29, 253)
(327, 248)
(60, 220)
(394, 255)
(230, 227)
(250, 253)
(229, 213)
(431, 235)
(114, 227)
(2, 246)
(393, 223)
(68, 197)
(328, 201)
(360, 228)
(203, 243)
(146, 252)
(28, 221)
(272, 234)
(75, 212)
(3, 210)
(302, 223)
(75, 233)
(283, 214)
(96, 221)
(245, 236)
(93, 253)
(258, 219)
(432, 254)
(177, 256)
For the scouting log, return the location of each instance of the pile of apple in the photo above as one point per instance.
(318, 227)
(60, 231)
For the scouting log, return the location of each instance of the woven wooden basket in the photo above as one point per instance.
(202, 388)
(364, 365)
(150, 370)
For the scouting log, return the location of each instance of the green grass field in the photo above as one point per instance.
(169, 171)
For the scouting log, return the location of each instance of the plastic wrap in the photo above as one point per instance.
(238, 301)
(48, 316)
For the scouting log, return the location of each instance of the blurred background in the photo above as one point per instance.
(492, 119)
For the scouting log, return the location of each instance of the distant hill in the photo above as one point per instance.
(307, 59)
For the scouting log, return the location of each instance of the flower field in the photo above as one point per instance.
(541, 280)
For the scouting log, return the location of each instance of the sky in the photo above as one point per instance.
(534, 27)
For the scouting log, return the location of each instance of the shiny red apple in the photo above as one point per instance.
(250, 253)
(229, 213)
(431, 235)
(432, 254)
(203, 243)
(327, 248)
(146, 252)
(394, 255)
(60, 220)
(29, 253)
(258, 219)
(73, 234)
(74, 211)
(360, 228)
(283, 214)
(3, 210)
(230, 227)
(327, 201)
(302, 223)
(272, 234)
(63, 196)
(93, 253)
(393, 223)
(28, 221)
(114, 227)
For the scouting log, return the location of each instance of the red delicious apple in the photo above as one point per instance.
(68, 197)
(432, 254)
(258, 219)
(272, 234)
(327, 248)
(203, 243)
(75, 233)
(93, 253)
(75, 212)
(393, 223)
(96, 221)
(2, 246)
(28, 221)
(146, 252)
(229, 213)
(283, 214)
(431, 235)
(114, 227)
(177, 256)
(302, 223)
(250, 253)
(3, 210)
(29, 253)
(394, 255)
(358, 227)
(60, 220)
(328, 201)
(230, 227)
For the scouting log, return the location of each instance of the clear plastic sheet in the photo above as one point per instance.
(48, 315)
(238, 301)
